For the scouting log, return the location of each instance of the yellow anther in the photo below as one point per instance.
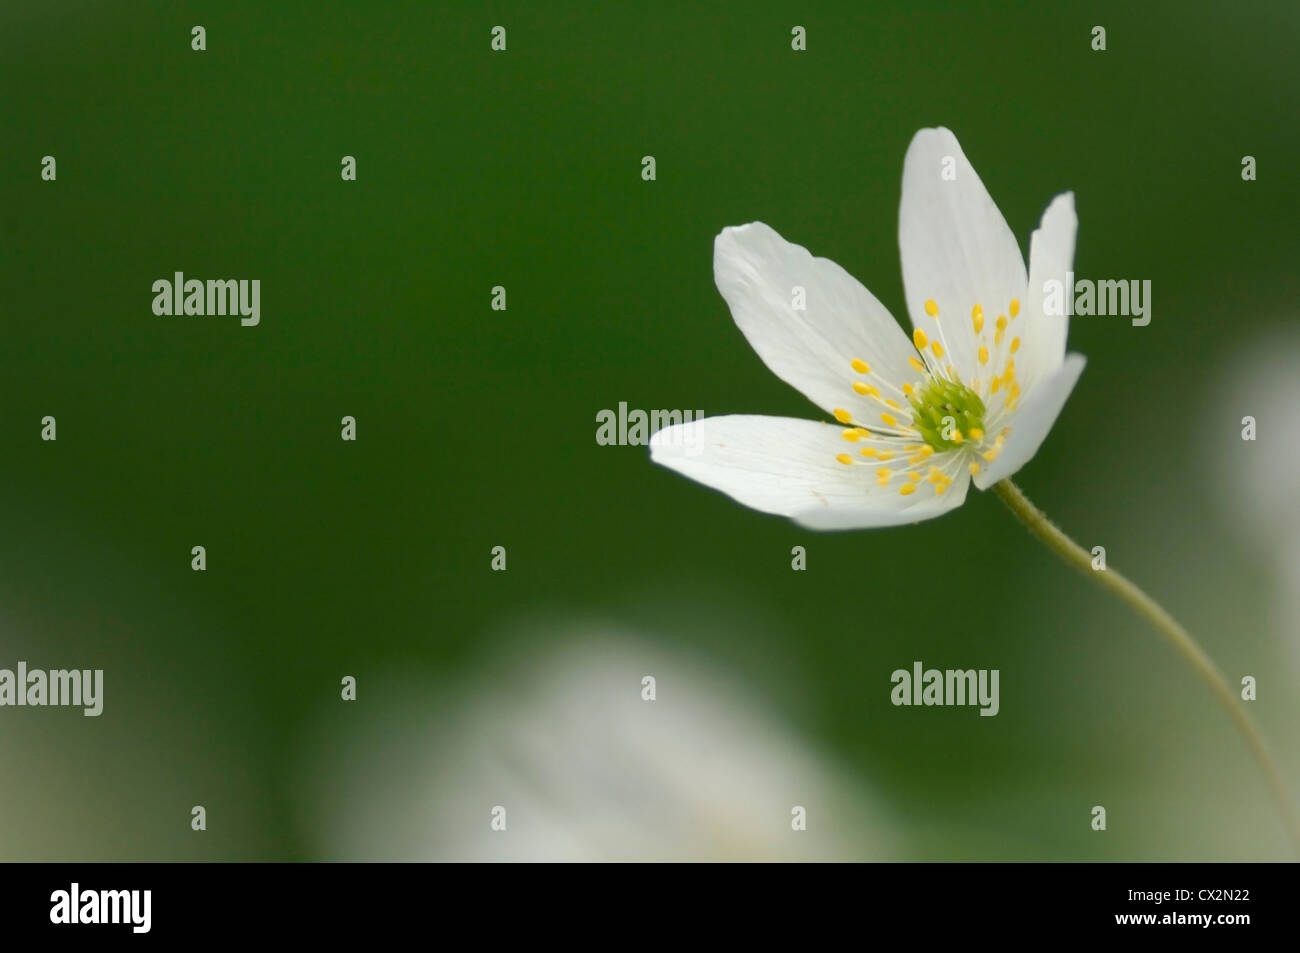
(914, 476)
(861, 366)
(919, 339)
(931, 308)
(1010, 372)
(935, 475)
(991, 455)
(927, 451)
(842, 415)
(997, 382)
(977, 318)
(851, 435)
(868, 451)
(938, 490)
(1002, 322)
(844, 458)
(984, 354)
(885, 455)
(893, 403)
(916, 365)
(1015, 345)
(937, 348)
(883, 475)
(974, 468)
(909, 390)
(866, 389)
(889, 419)
(907, 488)
(1015, 307)
(976, 433)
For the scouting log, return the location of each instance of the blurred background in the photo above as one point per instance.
(476, 428)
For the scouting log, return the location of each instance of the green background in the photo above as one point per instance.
(476, 427)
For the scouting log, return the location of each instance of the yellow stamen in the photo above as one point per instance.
(851, 435)
(889, 419)
(883, 475)
(919, 339)
(984, 354)
(861, 366)
(1015, 345)
(842, 415)
(931, 308)
(907, 488)
(974, 468)
(844, 458)
(1015, 307)
(977, 318)
(916, 365)
(937, 348)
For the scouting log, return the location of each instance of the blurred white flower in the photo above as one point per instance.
(584, 768)
(969, 398)
(1261, 380)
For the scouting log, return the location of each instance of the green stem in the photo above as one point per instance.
(1173, 633)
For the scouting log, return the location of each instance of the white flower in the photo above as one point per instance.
(562, 738)
(971, 396)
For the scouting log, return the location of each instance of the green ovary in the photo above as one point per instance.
(937, 399)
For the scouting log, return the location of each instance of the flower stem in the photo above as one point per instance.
(1173, 633)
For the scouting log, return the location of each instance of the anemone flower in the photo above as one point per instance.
(969, 398)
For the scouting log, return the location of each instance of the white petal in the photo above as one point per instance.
(786, 466)
(1029, 425)
(1051, 255)
(957, 248)
(757, 272)
(924, 504)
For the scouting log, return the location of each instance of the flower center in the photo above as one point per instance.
(947, 413)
